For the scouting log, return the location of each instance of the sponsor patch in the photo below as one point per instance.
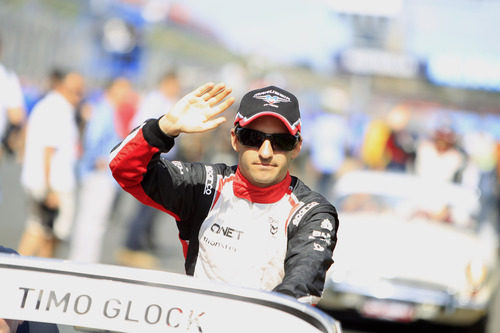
(273, 226)
(226, 231)
(209, 182)
(272, 97)
(218, 244)
(318, 247)
(303, 211)
(320, 235)
(179, 166)
(326, 224)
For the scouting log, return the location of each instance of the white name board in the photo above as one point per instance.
(49, 291)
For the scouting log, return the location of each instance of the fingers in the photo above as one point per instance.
(211, 124)
(219, 96)
(225, 105)
(198, 92)
(208, 100)
(206, 125)
(214, 91)
(215, 111)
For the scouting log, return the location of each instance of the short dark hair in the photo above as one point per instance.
(57, 74)
(171, 74)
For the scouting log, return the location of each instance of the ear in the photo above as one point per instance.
(295, 152)
(234, 141)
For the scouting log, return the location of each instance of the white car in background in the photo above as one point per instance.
(68, 297)
(411, 250)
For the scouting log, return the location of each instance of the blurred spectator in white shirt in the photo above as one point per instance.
(48, 174)
(12, 110)
(139, 246)
(98, 188)
(438, 158)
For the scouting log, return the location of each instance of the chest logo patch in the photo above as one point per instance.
(273, 226)
(226, 231)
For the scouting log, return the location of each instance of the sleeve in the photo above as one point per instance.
(50, 117)
(140, 169)
(14, 94)
(309, 254)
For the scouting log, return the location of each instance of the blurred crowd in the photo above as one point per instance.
(62, 131)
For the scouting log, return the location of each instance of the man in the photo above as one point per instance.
(48, 173)
(98, 189)
(138, 249)
(252, 224)
(12, 111)
(439, 158)
(163, 97)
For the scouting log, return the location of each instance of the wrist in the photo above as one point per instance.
(167, 127)
(49, 190)
(155, 137)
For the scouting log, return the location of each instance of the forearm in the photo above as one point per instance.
(51, 198)
(309, 256)
(16, 115)
(130, 159)
(168, 127)
(48, 154)
(138, 168)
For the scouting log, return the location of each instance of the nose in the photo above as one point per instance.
(266, 150)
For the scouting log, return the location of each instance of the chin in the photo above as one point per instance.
(265, 181)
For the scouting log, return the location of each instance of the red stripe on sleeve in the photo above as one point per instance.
(129, 165)
(185, 245)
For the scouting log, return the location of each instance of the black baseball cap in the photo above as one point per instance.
(270, 101)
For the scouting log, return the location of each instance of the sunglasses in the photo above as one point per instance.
(280, 141)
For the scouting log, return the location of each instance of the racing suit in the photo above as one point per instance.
(278, 238)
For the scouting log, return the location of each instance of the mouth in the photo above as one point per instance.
(264, 165)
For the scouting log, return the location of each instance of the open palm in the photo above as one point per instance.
(198, 111)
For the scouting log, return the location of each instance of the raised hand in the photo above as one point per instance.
(197, 111)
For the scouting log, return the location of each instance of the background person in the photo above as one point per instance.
(12, 111)
(98, 189)
(252, 224)
(139, 247)
(48, 174)
(329, 139)
(438, 157)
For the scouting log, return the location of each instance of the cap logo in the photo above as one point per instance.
(272, 100)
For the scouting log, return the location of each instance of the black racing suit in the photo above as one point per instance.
(277, 238)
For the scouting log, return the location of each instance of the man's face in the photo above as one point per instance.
(73, 88)
(264, 166)
(120, 91)
(441, 145)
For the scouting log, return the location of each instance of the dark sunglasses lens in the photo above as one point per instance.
(253, 138)
(250, 137)
(284, 141)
